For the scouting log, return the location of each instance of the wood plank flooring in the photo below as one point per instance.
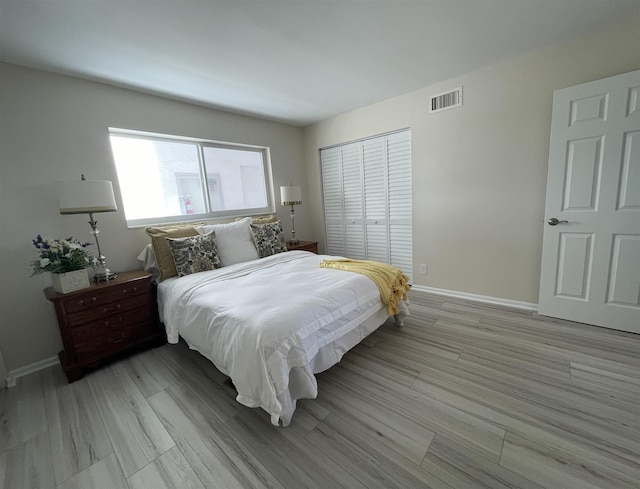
(464, 396)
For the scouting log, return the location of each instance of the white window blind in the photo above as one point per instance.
(367, 199)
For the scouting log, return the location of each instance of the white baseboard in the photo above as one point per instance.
(14, 375)
(496, 301)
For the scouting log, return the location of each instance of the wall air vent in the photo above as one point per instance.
(446, 100)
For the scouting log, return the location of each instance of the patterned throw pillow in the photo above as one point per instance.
(194, 254)
(159, 236)
(269, 238)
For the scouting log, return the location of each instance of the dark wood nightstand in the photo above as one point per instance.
(311, 246)
(106, 319)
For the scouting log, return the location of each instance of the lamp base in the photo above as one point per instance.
(294, 242)
(104, 275)
(101, 272)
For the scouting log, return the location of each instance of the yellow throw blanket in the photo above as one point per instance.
(392, 283)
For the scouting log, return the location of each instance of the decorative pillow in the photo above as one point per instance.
(164, 259)
(261, 219)
(269, 238)
(194, 254)
(234, 240)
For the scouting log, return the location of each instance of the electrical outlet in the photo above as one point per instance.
(424, 270)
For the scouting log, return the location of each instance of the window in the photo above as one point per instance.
(167, 179)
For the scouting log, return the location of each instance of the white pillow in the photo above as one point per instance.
(148, 258)
(234, 240)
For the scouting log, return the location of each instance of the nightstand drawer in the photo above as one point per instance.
(106, 345)
(110, 324)
(102, 311)
(99, 296)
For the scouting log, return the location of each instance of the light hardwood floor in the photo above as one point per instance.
(464, 396)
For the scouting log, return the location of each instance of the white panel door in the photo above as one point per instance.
(591, 248)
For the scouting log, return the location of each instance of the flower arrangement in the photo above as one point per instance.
(60, 255)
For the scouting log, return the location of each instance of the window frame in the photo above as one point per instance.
(200, 145)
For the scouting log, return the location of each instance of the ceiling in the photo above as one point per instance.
(296, 61)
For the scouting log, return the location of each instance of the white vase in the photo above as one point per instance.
(64, 283)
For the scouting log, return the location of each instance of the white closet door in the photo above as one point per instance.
(367, 200)
(333, 202)
(375, 198)
(353, 207)
(399, 184)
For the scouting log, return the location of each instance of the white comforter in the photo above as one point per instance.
(258, 320)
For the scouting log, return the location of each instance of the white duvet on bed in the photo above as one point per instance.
(263, 323)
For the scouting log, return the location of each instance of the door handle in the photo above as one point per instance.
(554, 222)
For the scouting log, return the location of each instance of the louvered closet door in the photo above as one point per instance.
(333, 201)
(367, 199)
(399, 183)
(353, 206)
(375, 198)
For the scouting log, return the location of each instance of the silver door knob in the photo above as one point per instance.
(554, 222)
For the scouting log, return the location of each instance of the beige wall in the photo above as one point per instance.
(54, 127)
(479, 172)
(3, 372)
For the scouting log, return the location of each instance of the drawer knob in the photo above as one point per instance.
(119, 340)
(81, 301)
(106, 310)
(124, 291)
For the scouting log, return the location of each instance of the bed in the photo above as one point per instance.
(271, 323)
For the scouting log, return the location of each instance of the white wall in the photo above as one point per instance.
(54, 127)
(479, 172)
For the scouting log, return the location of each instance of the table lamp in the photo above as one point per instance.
(88, 197)
(291, 195)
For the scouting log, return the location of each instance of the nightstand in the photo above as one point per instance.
(311, 246)
(105, 320)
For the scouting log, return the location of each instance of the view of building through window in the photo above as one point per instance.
(167, 179)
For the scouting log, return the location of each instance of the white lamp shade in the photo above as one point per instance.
(290, 195)
(85, 196)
